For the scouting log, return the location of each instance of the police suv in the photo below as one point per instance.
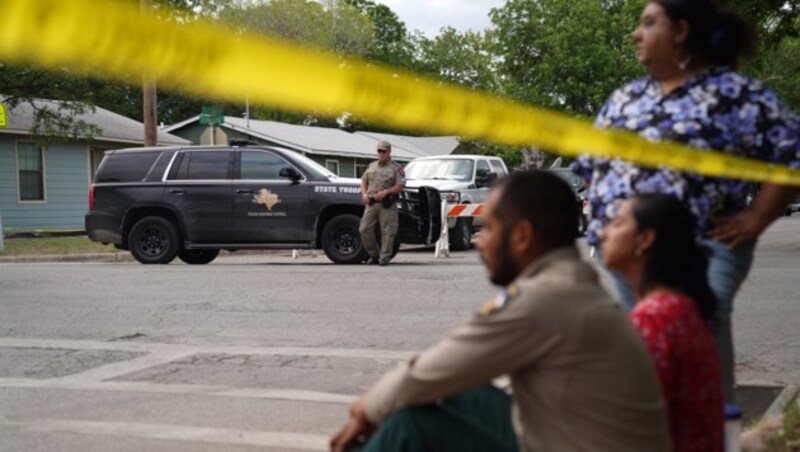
(192, 202)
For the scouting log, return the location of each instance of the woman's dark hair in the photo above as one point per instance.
(676, 259)
(717, 36)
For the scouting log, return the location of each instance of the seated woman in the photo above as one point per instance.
(651, 242)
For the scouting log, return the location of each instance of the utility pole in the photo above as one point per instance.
(149, 94)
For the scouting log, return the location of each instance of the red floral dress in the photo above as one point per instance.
(685, 357)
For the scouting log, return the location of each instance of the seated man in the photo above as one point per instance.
(580, 374)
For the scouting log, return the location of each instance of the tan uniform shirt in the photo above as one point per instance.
(383, 177)
(581, 376)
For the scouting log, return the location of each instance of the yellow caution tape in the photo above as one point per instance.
(213, 61)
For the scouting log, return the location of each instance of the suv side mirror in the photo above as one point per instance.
(290, 173)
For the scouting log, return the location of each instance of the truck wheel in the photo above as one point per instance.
(461, 235)
(198, 257)
(341, 240)
(153, 240)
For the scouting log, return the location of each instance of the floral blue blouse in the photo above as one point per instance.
(718, 109)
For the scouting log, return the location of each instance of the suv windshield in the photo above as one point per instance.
(450, 169)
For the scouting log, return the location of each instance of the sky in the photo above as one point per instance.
(428, 16)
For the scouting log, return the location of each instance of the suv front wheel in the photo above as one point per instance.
(341, 240)
(154, 240)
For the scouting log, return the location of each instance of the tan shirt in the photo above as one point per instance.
(381, 177)
(581, 376)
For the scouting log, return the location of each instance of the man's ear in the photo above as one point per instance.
(522, 237)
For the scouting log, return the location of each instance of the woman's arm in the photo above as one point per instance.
(747, 225)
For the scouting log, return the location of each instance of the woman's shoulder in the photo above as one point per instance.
(663, 304)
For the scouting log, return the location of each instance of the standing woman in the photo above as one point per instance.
(651, 243)
(692, 95)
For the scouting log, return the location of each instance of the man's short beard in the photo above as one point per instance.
(506, 271)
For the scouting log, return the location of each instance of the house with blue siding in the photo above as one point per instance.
(343, 153)
(46, 188)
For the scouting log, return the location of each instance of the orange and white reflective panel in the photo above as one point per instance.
(465, 210)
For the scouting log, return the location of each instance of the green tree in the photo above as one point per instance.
(464, 58)
(779, 68)
(332, 24)
(775, 20)
(566, 54)
(391, 45)
(51, 122)
(79, 93)
(778, 60)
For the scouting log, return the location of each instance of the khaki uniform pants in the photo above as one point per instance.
(387, 218)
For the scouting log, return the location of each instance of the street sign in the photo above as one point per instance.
(212, 116)
(2, 115)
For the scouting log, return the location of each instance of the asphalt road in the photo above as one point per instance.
(266, 351)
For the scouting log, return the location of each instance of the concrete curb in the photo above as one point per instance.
(125, 256)
(101, 257)
(786, 396)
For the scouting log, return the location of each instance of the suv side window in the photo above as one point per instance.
(257, 165)
(497, 167)
(126, 167)
(482, 174)
(204, 165)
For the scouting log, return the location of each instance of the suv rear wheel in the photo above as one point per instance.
(153, 240)
(341, 240)
(198, 257)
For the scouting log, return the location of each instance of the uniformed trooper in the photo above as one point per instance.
(380, 185)
(580, 376)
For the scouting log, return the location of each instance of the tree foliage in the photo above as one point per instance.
(464, 58)
(51, 123)
(566, 54)
(392, 45)
(332, 24)
(775, 20)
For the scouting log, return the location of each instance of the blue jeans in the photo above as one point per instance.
(727, 270)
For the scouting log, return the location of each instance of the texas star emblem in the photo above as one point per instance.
(267, 198)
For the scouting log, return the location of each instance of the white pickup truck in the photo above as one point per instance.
(461, 179)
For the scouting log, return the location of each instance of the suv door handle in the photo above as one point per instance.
(244, 191)
(177, 191)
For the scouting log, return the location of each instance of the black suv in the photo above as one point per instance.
(192, 202)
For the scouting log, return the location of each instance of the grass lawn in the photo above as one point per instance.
(53, 245)
(788, 437)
